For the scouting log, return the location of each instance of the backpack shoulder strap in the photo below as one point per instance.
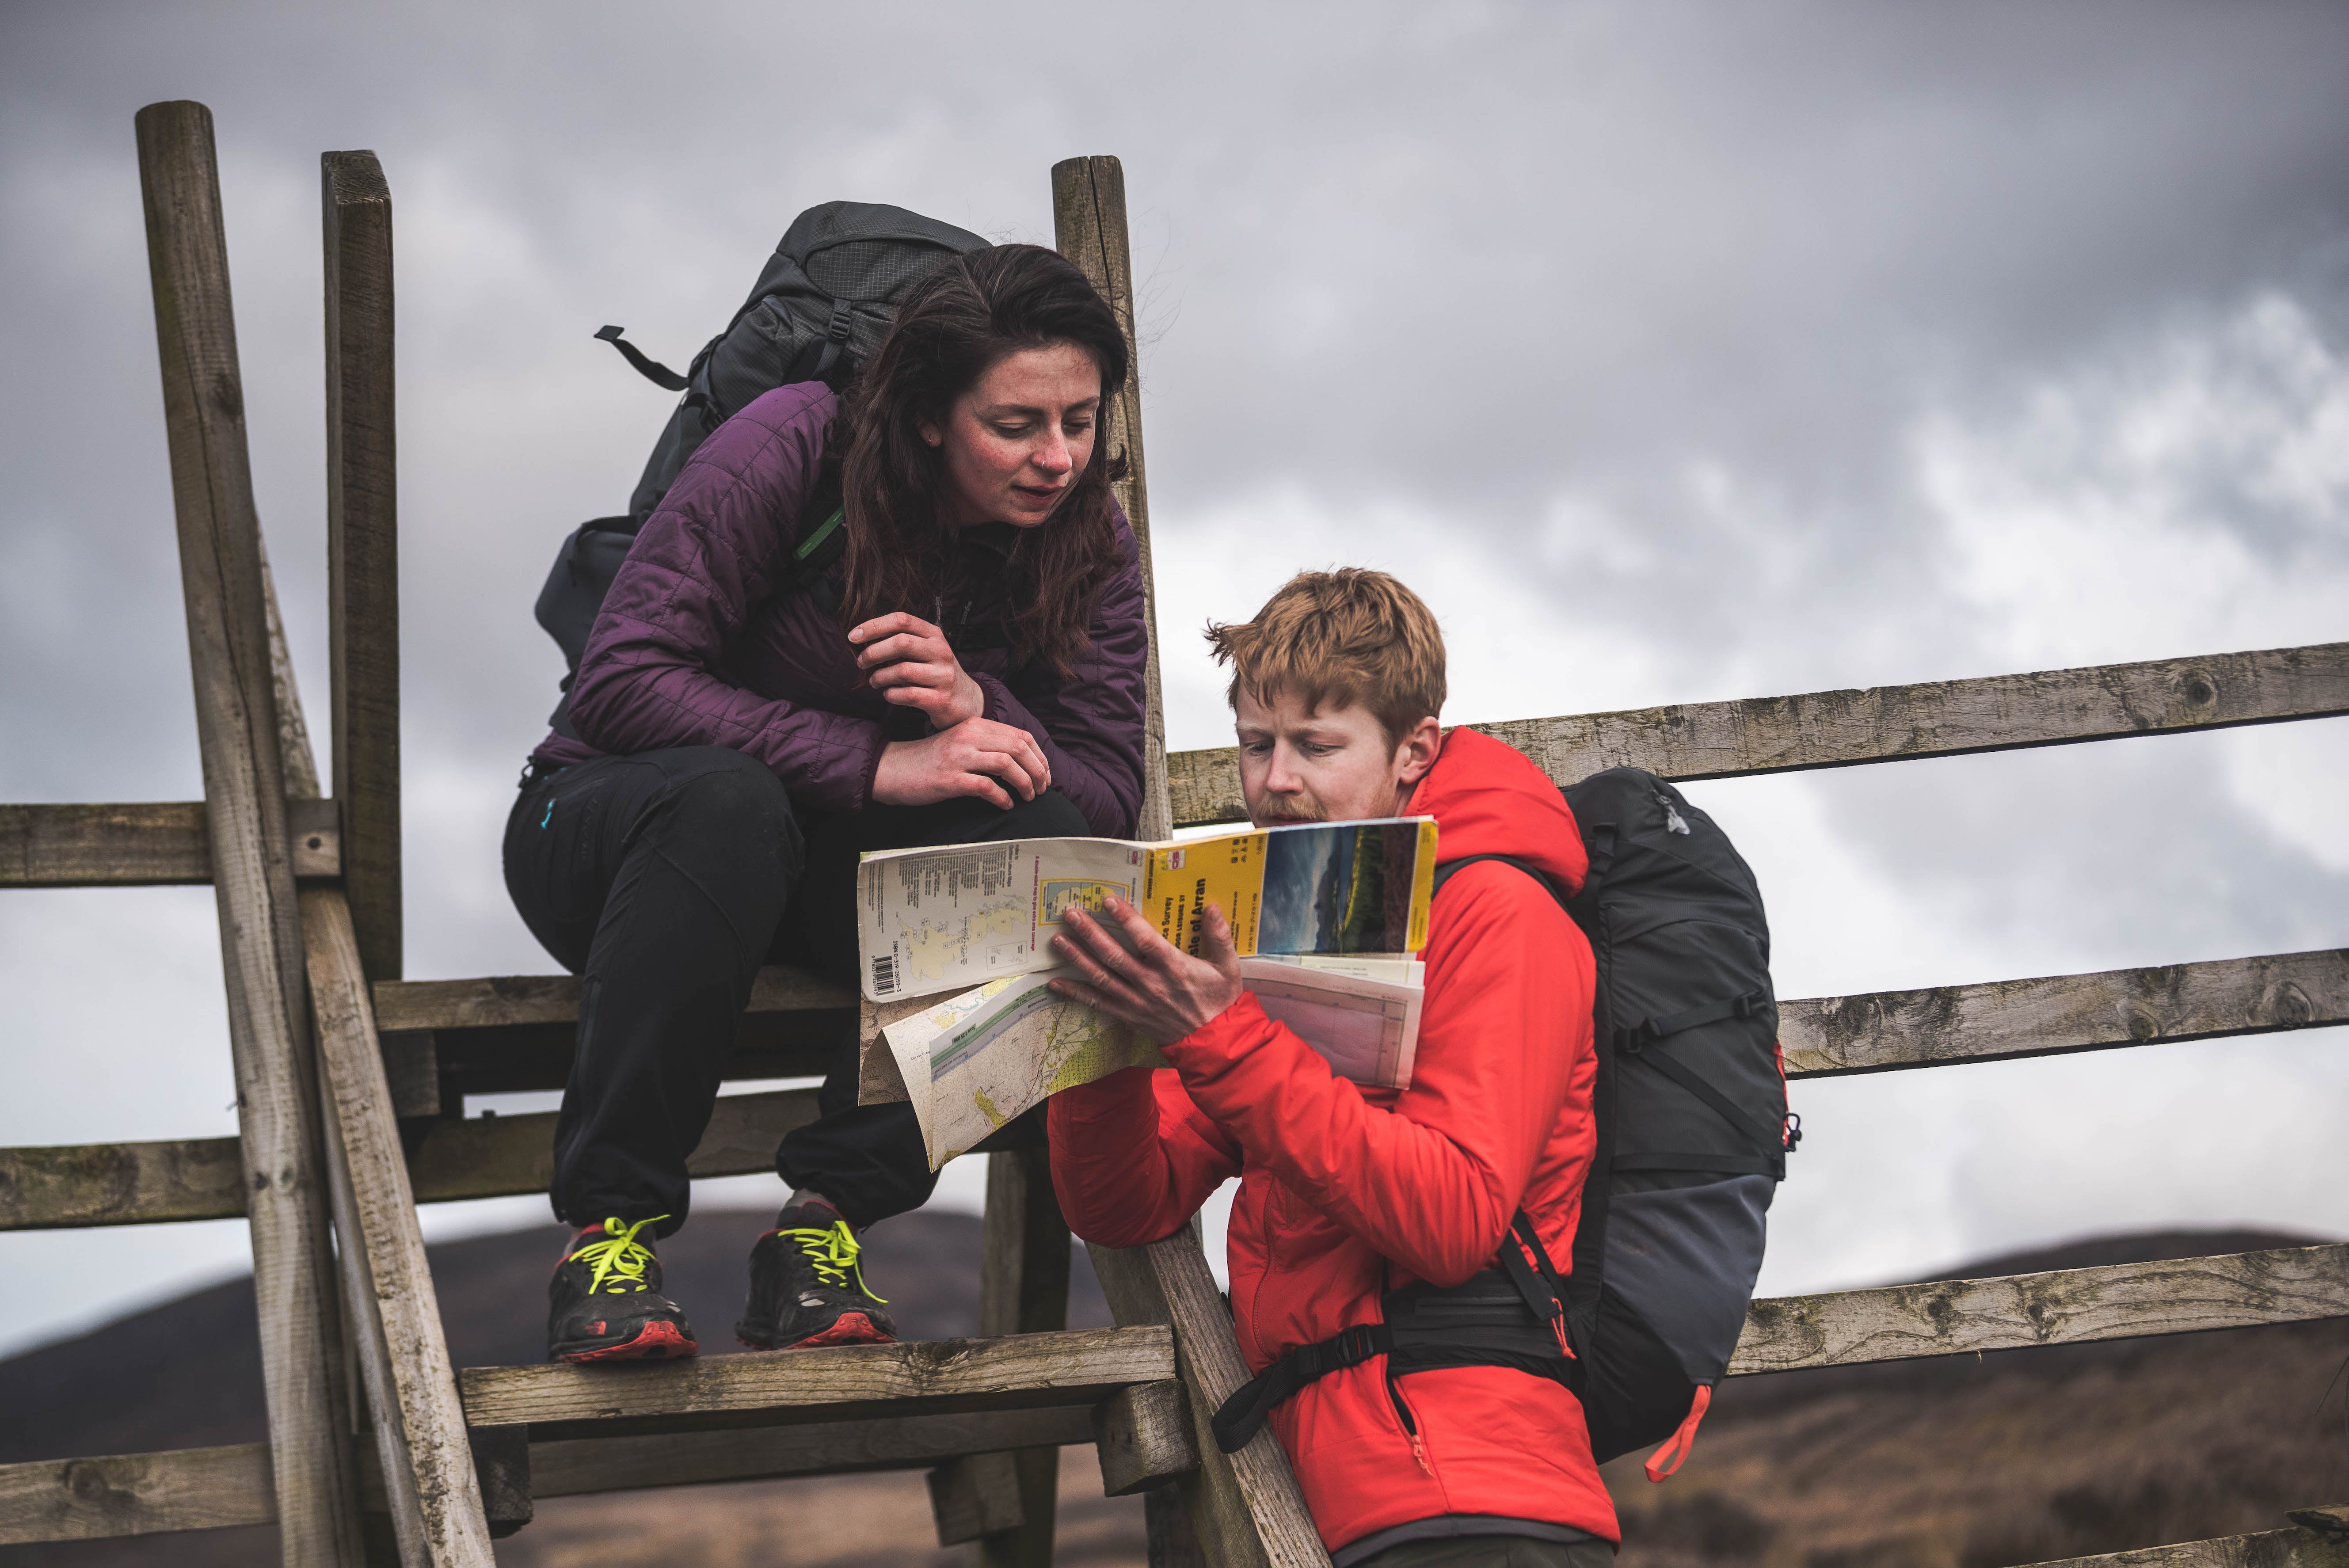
(1444, 873)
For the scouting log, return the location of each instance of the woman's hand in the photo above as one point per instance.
(907, 661)
(1145, 980)
(977, 757)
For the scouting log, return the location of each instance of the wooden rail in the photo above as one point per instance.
(2295, 1548)
(2066, 1306)
(1828, 1037)
(196, 1179)
(77, 1186)
(1880, 724)
(148, 844)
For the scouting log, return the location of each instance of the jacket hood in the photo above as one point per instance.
(1488, 799)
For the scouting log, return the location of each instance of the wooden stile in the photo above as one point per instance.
(363, 547)
(1882, 724)
(253, 873)
(136, 1494)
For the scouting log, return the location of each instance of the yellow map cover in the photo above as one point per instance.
(958, 915)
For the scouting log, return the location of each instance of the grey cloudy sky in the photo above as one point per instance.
(1675, 352)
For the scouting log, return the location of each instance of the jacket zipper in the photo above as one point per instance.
(1409, 1425)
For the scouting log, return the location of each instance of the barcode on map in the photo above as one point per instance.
(884, 973)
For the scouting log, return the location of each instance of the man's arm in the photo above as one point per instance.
(1132, 1157)
(1431, 1182)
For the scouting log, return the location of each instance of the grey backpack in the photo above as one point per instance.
(820, 306)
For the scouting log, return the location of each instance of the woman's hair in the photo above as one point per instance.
(954, 326)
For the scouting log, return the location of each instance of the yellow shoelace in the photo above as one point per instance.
(833, 1252)
(619, 1256)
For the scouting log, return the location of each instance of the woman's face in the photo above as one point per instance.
(1020, 436)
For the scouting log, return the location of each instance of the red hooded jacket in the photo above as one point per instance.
(1347, 1192)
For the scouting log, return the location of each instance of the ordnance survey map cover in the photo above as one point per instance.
(945, 919)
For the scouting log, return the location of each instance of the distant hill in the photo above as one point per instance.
(2013, 1458)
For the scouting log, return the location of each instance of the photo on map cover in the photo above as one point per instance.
(1338, 887)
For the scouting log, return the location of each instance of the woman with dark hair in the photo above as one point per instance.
(968, 667)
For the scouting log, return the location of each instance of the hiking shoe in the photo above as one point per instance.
(604, 1302)
(806, 1289)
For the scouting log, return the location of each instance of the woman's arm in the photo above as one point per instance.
(1090, 724)
(1132, 1157)
(705, 559)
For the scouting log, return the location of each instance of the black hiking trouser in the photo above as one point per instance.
(664, 880)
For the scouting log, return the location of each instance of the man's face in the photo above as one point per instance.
(1312, 767)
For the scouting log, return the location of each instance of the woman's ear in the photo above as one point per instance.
(930, 432)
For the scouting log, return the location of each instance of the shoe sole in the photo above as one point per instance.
(653, 1342)
(849, 1328)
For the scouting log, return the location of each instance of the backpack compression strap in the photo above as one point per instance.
(1511, 1319)
(652, 370)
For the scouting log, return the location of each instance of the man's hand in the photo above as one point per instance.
(1156, 987)
(909, 662)
(978, 756)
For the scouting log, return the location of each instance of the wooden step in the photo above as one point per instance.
(1075, 1368)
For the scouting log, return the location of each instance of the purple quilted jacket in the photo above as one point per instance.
(694, 647)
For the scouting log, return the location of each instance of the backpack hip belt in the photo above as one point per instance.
(1508, 1316)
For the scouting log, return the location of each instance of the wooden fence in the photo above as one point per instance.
(352, 1078)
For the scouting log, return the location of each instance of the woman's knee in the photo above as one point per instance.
(720, 797)
(1051, 815)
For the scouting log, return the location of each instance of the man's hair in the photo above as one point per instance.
(1339, 637)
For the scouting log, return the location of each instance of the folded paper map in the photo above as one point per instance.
(947, 919)
(973, 1062)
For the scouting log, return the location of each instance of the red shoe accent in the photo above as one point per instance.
(849, 1328)
(1682, 1440)
(658, 1342)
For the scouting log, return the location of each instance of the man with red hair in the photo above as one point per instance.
(1370, 1223)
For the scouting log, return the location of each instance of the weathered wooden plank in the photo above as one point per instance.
(237, 727)
(1023, 1288)
(363, 546)
(76, 1186)
(1244, 1508)
(976, 1497)
(419, 1420)
(1090, 229)
(2067, 1306)
(565, 1467)
(1142, 1437)
(1026, 1371)
(503, 1001)
(1879, 724)
(2268, 1549)
(136, 1494)
(498, 1156)
(1827, 1036)
(144, 844)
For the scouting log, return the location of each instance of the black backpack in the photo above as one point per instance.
(820, 306)
(1693, 1133)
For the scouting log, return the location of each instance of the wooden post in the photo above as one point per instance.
(1088, 227)
(253, 871)
(363, 550)
(1024, 1289)
(1244, 1508)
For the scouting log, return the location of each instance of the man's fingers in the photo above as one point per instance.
(1217, 947)
(1145, 935)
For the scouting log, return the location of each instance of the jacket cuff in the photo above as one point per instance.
(1222, 1039)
